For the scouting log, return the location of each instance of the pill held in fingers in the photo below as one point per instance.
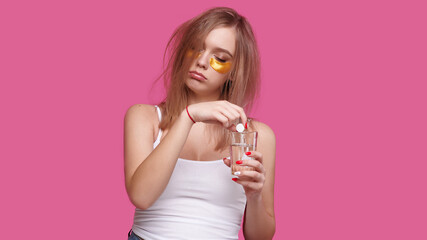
(240, 128)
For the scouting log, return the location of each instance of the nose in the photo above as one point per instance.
(203, 60)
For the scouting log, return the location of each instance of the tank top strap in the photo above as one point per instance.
(159, 136)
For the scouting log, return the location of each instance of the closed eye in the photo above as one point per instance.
(221, 60)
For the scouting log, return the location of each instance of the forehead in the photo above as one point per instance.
(222, 37)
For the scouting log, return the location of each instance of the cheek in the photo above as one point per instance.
(221, 78)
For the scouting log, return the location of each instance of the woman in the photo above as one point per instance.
(179, 188)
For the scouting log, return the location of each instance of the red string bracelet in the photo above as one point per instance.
(189, 115)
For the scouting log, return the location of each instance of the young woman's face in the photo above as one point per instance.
(211, 66)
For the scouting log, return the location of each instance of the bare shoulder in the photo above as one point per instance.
(141, 111)
(265, 133)
(141, 116)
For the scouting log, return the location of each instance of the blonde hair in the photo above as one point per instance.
(243, 83)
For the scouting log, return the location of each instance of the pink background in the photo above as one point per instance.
(344, 89)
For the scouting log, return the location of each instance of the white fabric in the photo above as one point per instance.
(159, 135)
(200, 202)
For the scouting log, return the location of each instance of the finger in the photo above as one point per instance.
(256, 155)
(248, 184)
(227, 161)
(250, 176)
(233, 117)
(231, 114)
(231, 111)
(241, 112)
(232, 128)
(223, 120)
(257, 165)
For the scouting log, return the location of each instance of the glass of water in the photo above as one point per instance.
(241, 142)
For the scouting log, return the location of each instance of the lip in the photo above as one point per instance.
(197, 76)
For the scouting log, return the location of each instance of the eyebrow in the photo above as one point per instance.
(223, 50)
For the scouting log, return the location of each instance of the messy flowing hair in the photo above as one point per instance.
(243, 83)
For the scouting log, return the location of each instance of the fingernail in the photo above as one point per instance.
(234, 179)
(246, 125)
(224, 158)
(239, 162)
(248, 153)
(236, 173)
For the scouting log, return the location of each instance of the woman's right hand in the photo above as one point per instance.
(218, 112)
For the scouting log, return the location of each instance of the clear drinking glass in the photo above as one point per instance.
(242, 142)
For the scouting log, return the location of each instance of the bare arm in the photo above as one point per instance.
(259, 221)
(147, 171)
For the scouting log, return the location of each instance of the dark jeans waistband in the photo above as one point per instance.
(132, 233)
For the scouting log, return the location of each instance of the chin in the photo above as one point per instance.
(201, 88)
(195, 86)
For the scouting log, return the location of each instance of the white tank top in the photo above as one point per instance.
(199, 202)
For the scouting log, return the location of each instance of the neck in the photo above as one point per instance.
(193, 98)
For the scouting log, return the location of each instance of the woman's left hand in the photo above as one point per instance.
(251, 180)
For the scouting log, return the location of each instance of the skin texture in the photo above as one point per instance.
(210, 89)
(147, 171)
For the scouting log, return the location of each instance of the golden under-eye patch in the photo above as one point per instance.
(221, 67)
(190, 53)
